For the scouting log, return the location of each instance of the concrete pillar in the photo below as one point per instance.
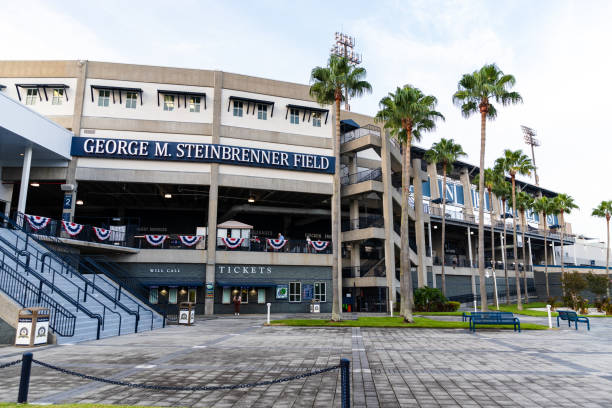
(70, 195)
(25, 180)
(464, 177)
(433, 269)
(472, 269)
(387, 203)
(419, 223)
(432, 170)
(213, 195)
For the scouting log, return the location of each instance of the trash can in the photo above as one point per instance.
(32, 327)
(186, 313)
(315, 307)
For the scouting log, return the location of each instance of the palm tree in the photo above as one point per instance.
(565, 205)
(524, 203)
(604, 210)
(446, 152)
(503, 191)
(547, 207)
(407, 113)
(328, 84)
(513, 163)
(491, 178)
(474, 94)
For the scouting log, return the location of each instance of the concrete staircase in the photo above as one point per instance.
(94, 296)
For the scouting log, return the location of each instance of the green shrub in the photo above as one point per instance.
(428, 299)
(452, 306)
(598, 284)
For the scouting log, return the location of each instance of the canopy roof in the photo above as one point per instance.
(233, 224)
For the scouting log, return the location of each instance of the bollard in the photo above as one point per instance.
(549, 317)
(345, 377)
(475, 305)
(24, 382)
(391, 307)
(268, 304)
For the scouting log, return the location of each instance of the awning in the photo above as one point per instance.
(250, 101)
(184, 94)
(233, 224)
(308, 109)
(347, 125)
(44, 87)
(119, 89)
(246, 284)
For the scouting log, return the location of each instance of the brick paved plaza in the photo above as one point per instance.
(390, 367)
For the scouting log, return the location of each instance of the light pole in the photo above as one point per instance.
(529, 136)
(344, 46)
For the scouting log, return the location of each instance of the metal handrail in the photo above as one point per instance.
(71, 269)
(361, 176)
(26, 294)
(55, 272)
(55, 289)
(359, 133)
(363, 222)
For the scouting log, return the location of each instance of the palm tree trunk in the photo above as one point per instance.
(481, 179)
(492, 243)
(443, 227)
(405, 273)
(336, 276)
(562, 261)
(546, 255)
(517, 276)
(608, 257)
(524, 258)
(505, 258)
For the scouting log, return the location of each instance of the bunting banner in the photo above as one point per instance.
(101, 233)
(319, 245)
(190, 240)
(232, 243)
(156, 240)
(277, 243)
(71, 228)
(37, 222)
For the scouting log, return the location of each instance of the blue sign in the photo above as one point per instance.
(67, 201)
(201, 153)
(308, 291)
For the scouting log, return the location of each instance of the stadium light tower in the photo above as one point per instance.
(344, 46)
(529, 136)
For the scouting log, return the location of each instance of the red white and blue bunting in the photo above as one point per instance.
(319, 245)
(71, 228)
(156, 240)
(37, 222)
(101, 233)
(190, 240)
(232, 243)
(277, 243)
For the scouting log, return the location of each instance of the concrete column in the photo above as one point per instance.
(419, 223)
(432, 170)
(25, 180)
(387, 204)
(213, 195)
(77, 114)
(467, 191)
(433, 269)
(6, 194)
(472, 269)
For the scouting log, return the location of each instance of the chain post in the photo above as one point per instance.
(24, 382)
(345, 376)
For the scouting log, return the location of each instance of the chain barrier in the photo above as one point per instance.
(174, 388)
(12, 363)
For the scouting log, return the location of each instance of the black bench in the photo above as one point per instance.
(493, 318)
(572, 316)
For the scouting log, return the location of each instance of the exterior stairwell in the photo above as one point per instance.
(93, 299)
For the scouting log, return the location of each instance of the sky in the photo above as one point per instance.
(559, 52)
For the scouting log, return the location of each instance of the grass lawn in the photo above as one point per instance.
(438, 313)
(527, 312)
(15, 405)
(419, 322)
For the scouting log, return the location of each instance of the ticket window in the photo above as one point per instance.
(192, 295)
(261, 295)
(244, 295)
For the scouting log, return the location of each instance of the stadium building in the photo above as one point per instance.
(197, 185)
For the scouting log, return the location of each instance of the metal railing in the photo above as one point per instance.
(67, 271)
(359, 133)
(361, 176)
(294, 246)
(43, 281)
(172, 242)
(22, 291)
(367, 221)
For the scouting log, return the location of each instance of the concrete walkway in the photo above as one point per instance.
(390, 367)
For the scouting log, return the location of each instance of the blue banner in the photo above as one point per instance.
(200, 152)
(308, 291)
